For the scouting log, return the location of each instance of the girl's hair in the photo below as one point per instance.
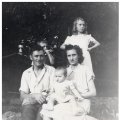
(77, 49)
(74, 29)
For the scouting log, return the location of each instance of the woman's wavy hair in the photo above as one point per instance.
(74, 28)
(78, 50)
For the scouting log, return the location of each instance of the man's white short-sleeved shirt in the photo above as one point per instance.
(32, 84)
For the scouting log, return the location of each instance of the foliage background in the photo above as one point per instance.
(30, 21)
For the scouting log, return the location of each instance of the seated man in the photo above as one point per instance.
(35, 83)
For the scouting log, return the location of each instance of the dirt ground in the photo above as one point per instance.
(102, 108)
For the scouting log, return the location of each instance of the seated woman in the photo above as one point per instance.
(83, 80)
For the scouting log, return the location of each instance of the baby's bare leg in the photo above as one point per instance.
(77, 110)
(50, 104)
(46, 118)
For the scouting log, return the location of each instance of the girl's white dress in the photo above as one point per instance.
(80, 77)
(82, 40)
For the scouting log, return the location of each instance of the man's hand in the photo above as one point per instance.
(39, 97)
(80, 98)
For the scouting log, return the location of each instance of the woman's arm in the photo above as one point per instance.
(77, 94)
(91, 92)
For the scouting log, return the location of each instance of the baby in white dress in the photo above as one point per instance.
(63, 91)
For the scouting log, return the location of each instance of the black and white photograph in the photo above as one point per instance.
(60, 60)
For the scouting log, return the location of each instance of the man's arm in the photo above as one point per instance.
(37, 96)
(24, 95)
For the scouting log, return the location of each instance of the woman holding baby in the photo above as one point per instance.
(83, 80)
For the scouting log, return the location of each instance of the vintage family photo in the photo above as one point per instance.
(60, 60)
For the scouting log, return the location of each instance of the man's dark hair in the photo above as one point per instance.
(35, 48)
(78, 50)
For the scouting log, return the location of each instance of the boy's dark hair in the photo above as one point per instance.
(62, 68)
(34, 48)
(42, 41)
(78, 50)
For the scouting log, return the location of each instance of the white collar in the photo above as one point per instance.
(31, 68)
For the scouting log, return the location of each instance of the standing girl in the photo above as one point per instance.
(82, 39)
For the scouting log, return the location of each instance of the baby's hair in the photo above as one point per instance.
(62, 68)
(74, 29)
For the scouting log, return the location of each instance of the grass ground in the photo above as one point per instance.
(102, 108)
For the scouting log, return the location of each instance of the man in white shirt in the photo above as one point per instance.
(35, 82)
